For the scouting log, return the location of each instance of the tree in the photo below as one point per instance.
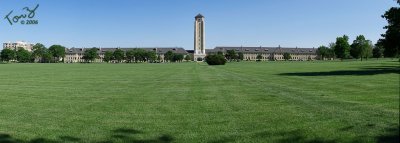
(151, 56)
(259, 57)
(215, 59)
(140, 55)
(58, 52)
(23, 56)
(230, 55)
(168, 56)
(361, 48)
(342, 47)
(7, 55)
(119, 55)
(177, 58)
(323, 52)
(90, 55)
(377, 52)
(38, 51)
(108, 56)
(240, 56)
(390, 41)
(130, 55)
(286, 56)
(46, 56)
(188, 58)
(332, 50)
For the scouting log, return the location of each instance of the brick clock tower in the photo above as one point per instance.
(199, 38)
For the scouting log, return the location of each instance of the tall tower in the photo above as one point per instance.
(199, 38)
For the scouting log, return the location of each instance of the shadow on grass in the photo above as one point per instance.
(118, 135)
(392, 136)
(298, 136)
(362, 71)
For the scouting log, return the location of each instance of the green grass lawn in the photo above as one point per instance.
(192, 102)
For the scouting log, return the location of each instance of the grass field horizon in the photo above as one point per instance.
(306, 101)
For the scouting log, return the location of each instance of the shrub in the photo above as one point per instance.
(215, 60)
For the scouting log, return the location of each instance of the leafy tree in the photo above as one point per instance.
(259, 57)
(177, 58)
(361, 48)
(220, 53)
(188, 58)
(168, 56)
(23, 56)
(119, 55)
(240, 56)
(7, 55)
(130, 55)
(377, 52)
(323, 52)
(140, 55)
(230, 55)
(390, 41)
(332, 50)
(47, 56)
(108, 56)
(151, 56)
(342, 47)
(58, 52)
(286, 56)
(215, 59)
(38, 50)
(90, 55)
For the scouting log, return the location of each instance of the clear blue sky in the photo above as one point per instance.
(164, 23)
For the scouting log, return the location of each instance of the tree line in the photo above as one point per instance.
(361, 48)
(136, 55)
(40, 54)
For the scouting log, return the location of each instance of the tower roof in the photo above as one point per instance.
(199, 16)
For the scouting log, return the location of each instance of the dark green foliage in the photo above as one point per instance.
(215, 59)
(188, 58)
(220, 53)
(342, 47)
(139, 55)
(108, 56)
(7, 55)
(130, 55)
(177, 58)
(361, 48)
(23, 56)
(231, 55)
(90, 54)
(287, 56)
(57, 52)
(390, 41)
(259, 57)
(324, 52)
(240, 56)
(119, 55)
(377, 52)
(151, 56)
(168, 56)
(38, 53)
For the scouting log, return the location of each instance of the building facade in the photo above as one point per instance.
(75, 55)
(19, 44)
(199, 38)
(269, 53)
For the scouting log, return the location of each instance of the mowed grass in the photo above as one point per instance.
(192, 102)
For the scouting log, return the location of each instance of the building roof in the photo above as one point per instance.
(267, 50)
(199, 16)
(158, 50)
